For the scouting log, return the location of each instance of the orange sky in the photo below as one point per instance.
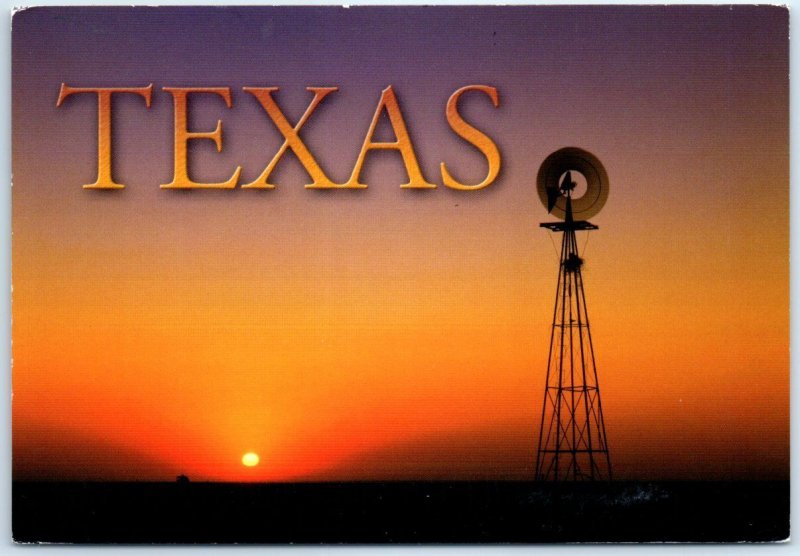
(388, 333)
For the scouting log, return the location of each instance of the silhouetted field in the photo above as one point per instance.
(399, 512)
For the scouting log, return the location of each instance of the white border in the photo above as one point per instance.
(7, 7)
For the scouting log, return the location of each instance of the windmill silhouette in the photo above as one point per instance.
(572, 435)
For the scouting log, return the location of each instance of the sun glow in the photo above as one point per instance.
(250, 459)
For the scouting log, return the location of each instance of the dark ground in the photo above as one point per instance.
(399, 512)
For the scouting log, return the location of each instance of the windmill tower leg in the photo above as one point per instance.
(572, 437)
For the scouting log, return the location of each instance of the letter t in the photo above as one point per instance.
(104, 179)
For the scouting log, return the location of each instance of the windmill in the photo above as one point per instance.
(572, 435)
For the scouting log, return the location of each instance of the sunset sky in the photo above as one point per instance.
(388, 333)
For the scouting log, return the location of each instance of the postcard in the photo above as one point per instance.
(295, 274)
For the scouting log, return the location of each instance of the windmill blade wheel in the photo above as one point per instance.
(572, 159)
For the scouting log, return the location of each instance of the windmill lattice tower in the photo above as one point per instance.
(572, 437)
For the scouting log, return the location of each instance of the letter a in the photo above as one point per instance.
(403, 144)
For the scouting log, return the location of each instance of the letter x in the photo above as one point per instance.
(291, 138)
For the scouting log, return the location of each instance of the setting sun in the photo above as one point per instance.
(250, 459)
